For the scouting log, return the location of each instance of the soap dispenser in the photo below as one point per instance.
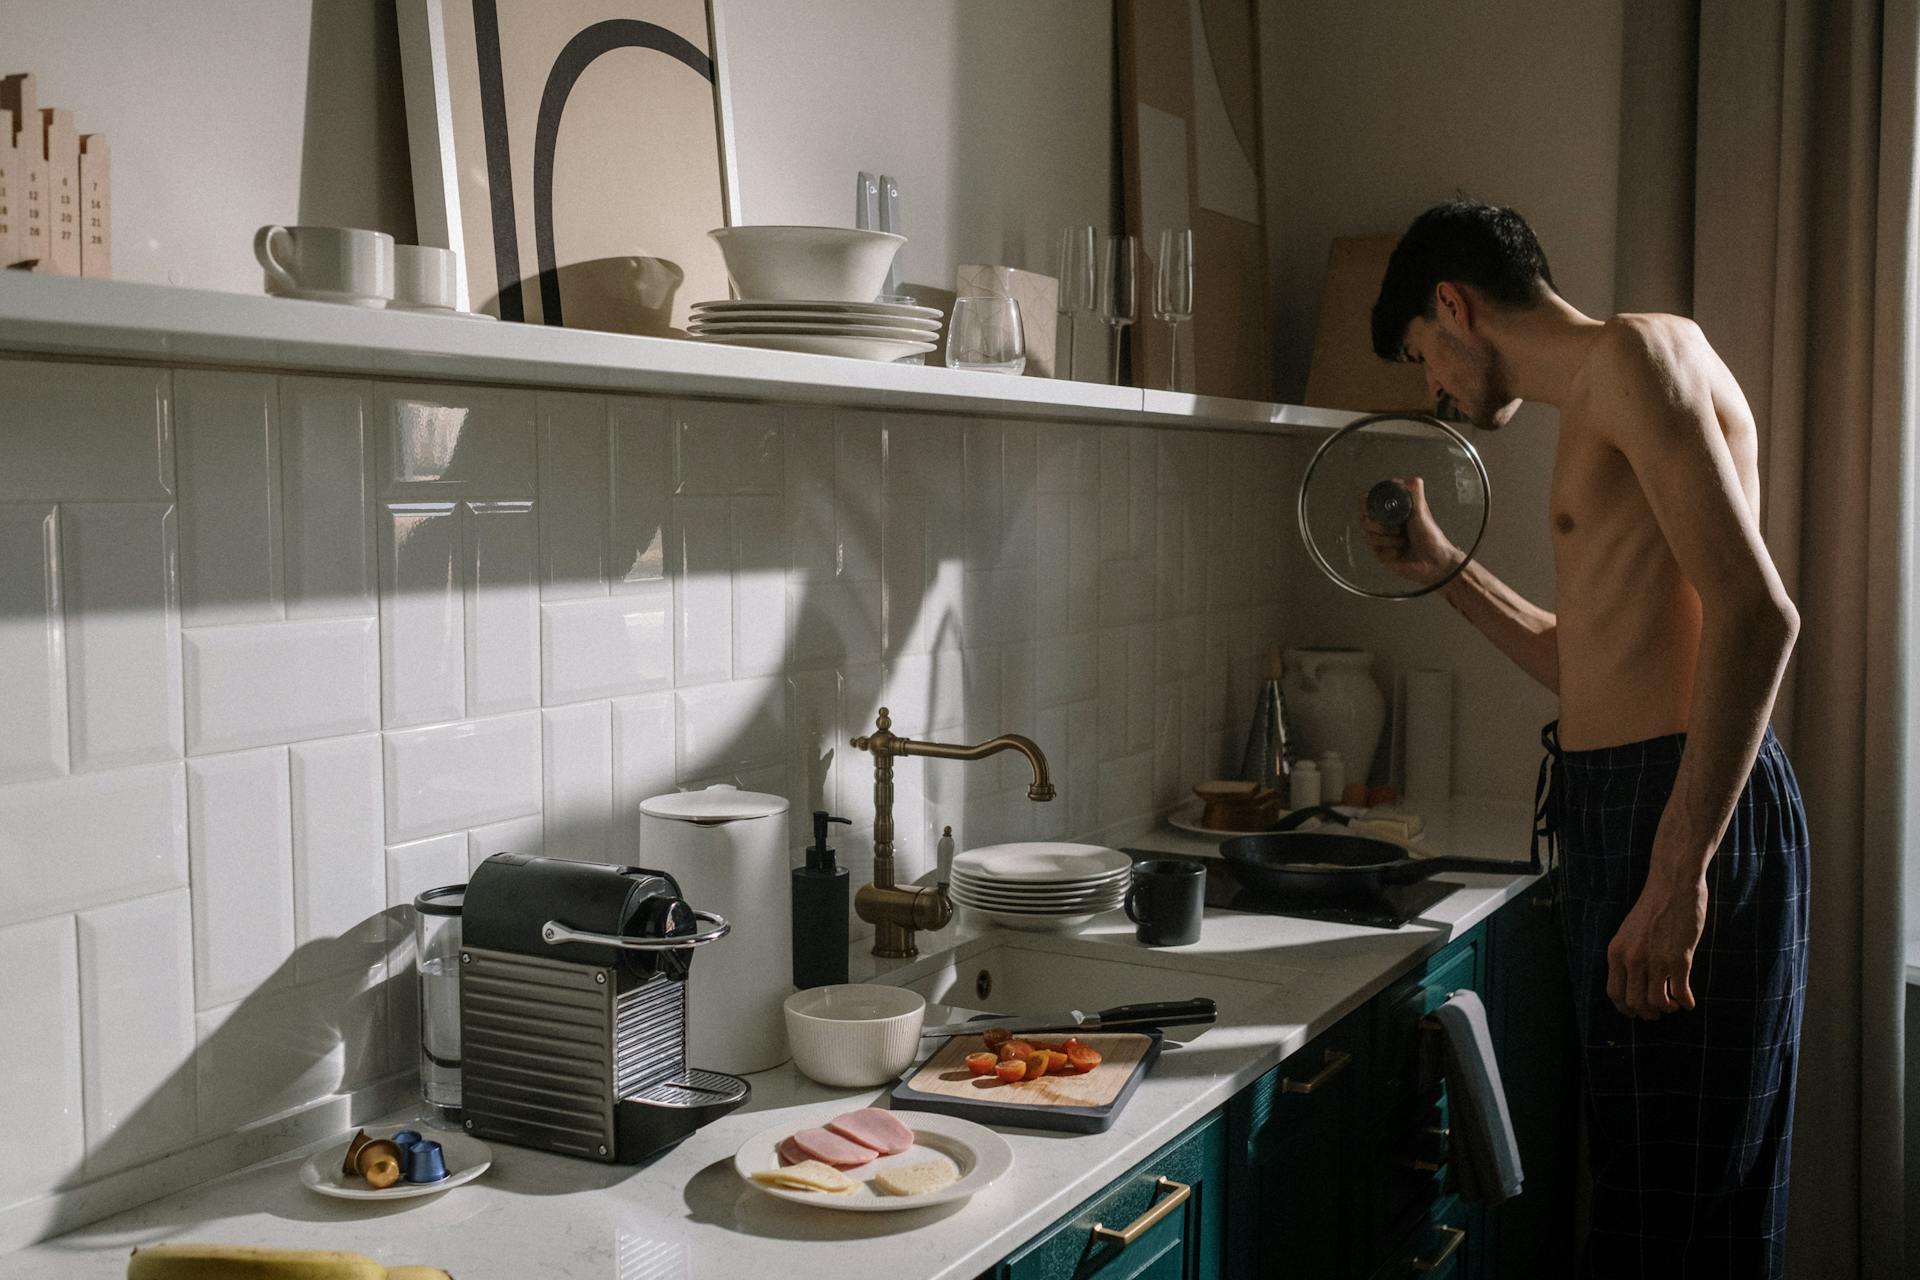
(820, 898)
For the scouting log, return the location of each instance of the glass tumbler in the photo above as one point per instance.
(436, 939)
(986, 335)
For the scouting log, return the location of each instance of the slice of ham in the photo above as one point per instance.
(883, 1131)
(830, 1148)
(789, 1153)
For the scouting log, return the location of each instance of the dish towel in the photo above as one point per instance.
(1485, 1155)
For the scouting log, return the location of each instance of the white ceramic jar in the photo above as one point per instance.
(727, 850)
(1335, 705)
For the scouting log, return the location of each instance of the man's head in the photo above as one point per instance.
(1458, 265)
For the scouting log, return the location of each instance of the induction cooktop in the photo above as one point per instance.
(1393, 907)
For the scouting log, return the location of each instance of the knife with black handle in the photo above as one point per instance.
(1198, 1011)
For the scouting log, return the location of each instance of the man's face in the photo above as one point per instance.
(1462, 369)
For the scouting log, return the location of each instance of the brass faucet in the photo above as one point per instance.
(895, 911)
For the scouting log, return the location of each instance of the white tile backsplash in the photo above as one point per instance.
(426, 624)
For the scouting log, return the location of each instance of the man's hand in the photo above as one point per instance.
(1418, 551)
(1650, 960)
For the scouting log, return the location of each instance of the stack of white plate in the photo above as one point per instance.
(859, 330)
(1044, 886)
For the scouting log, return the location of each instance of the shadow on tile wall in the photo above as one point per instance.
(281, 651)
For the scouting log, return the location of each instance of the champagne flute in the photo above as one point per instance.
(1173, 293)
(1075, 256)
(1119, 296)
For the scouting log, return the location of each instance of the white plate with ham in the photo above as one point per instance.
(885, 1160)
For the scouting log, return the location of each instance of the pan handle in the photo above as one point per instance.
(1409, 870)
(1300, 817)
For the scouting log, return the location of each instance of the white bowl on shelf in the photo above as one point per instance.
(807, 264)
(854, 1035)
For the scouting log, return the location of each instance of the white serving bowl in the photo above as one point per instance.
(807, 264)
(854, 1035)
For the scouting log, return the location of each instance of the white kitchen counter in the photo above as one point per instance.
(688, 1215)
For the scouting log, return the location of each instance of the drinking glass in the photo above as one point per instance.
(986, 336)
(1173, 293)
(1075, 263)
(1119, 296)
(436, 941)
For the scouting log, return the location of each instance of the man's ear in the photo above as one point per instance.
(1453, 306)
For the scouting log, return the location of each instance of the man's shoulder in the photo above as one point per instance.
(1640, 357)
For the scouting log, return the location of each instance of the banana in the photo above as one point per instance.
(251, 1262)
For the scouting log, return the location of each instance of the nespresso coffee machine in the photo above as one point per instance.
(573, 1009)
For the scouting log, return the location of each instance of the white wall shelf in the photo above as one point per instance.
(105, 319)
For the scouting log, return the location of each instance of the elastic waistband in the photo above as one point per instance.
(1665, 749)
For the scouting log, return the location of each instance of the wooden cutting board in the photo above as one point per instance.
(1084, 1103)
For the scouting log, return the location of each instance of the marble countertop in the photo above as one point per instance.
(687, 1214)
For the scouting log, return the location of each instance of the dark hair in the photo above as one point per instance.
(1466, 242)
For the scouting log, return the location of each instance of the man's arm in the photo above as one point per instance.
(1421, 553)
(1662, 417)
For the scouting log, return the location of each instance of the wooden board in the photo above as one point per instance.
(1083, 1103)
(1345, 373)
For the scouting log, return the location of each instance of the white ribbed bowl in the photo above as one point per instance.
(854, 1035)
(807, 264)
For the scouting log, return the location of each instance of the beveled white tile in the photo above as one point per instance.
(1182, 461)
(326, 517)
(412, 869)
(574, 513)
(833, 623)
(339, 875)
(1126, 788)
(859, 482)
(503, 621)
(725, 447)
(41, 1108)
(422, 614)
(458, 441)
(759, 588)
(122, 412)
(925, 454)
(456, 776)
(33, 662)
(1116, 497)
(602, 648)
(1140, 687)
(1170, 555)
(924, 689)
(813, 550)
(1050, 735)
(861, 697)
(136, 1029)
(1065, 669)
(642, 432)
(814, 748)
(124, 827)
(731, 726)
(123, 634)
(576, 754)
(1111, 699)
(241, 824)
(267, 682)
(263, 1056)
(1167, 788)
(1083, 563)
(982, 486)
(912, 620)
(516, 835)
(703, 590)
(1052, 561)
(1083, 769)
(229, 483)
(1128, 593)
(999, 605)
(643, 755)
(1143, 482)
(1017, 492)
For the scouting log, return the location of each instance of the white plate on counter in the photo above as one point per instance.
(1042, 862)
(710, 327)
(467, 1158)
(978, 1154)
(915, 323)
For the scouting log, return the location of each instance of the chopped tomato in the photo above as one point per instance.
(1015, 1049)
(996, 1036)
(1083, 1057)
(981, 1064)
(1010, 1070)
(1056, 1061)
(1037, 1064)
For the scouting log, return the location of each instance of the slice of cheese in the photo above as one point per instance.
(916, 1179)
(808, 1175)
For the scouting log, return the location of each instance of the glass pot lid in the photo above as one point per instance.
(1367, 469)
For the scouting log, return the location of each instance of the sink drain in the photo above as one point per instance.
(983, 984)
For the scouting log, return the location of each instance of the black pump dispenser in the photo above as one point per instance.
(820, 899)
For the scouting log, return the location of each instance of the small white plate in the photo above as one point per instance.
(978, 1154)
(882, 349)
(467, 1158)
(712, 327)
(1013, 897)
(1032, 889)
(915, 323)
(721, 306)
(1042, 862)
(1032, 923)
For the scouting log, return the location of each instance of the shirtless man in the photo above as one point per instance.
(1681, 834)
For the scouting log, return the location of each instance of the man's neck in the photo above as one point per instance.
(1544, 348)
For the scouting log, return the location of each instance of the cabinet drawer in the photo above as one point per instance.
(1437, 1249)
(1407, 1058)
(1172, 1205)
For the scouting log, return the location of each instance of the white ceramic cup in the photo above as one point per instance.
(854, 1035)
(425, 278)
(333, 264)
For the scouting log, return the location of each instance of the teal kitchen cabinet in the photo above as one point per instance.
(1165, 1219)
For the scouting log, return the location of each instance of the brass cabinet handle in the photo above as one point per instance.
(1426, 1166)
(1156, 1211)
(1454, 1236)
(1336, 1062)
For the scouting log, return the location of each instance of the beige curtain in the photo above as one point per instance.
(1767, 187)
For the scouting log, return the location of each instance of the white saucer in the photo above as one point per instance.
(1041, 862)
(838, 308)
(882, 349)
(467, 1158)
(915, 323)
(716, 328)
(977, 1153)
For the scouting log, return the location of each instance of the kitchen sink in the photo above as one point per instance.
(1011, 979)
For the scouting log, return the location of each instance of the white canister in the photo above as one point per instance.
(1303, 786)
(1333, 777)
(727, 849)
(1335, 705)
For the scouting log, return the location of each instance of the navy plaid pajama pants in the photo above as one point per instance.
(1689, 1116)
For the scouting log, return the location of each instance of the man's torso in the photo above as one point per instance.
(1628, 620)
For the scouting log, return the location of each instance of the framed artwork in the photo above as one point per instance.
(575, 153)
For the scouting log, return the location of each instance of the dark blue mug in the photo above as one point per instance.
(1166, 900)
